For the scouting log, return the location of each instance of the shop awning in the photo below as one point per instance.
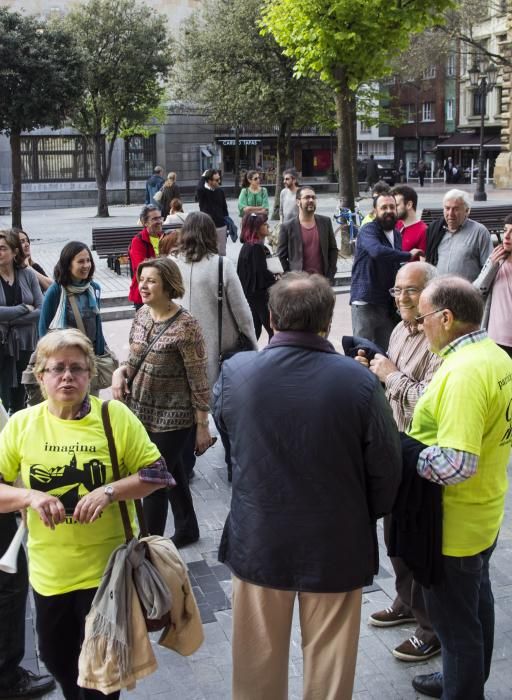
(470, 141)
(206, 152)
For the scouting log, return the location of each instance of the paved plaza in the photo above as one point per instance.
(206, 674)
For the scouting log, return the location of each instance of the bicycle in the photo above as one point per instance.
(346, 217)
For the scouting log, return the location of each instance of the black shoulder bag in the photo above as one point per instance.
(243, 343)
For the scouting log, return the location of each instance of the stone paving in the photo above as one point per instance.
(206, 674)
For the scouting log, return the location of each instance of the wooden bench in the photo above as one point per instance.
(113, 243)
(491, 217)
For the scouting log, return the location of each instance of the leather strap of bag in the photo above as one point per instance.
(128, 532)
(150, 345)
(220, 294)
(76, 313)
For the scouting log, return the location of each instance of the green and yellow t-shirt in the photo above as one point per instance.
(69, 458)
(468, 406)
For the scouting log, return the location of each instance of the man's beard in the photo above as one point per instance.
(387, 221)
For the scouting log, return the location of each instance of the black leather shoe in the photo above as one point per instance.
(28, 685)
(430, 684)
(183, 540)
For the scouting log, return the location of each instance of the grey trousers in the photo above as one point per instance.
(409, 598)
(373, 322)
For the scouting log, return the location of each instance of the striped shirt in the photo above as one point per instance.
(408, 350)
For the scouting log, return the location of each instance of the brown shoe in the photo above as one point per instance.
(389, 618)
(414, 649)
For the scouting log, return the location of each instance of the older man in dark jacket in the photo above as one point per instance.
(316, 460)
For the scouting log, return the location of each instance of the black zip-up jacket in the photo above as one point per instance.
(316, 460)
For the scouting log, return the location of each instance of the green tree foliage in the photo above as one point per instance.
(241, 77)
(40, 82)
(347, 43)
(128, 57)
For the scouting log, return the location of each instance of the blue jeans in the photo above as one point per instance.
(461, 610)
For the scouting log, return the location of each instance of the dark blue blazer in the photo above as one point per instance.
(375, 265)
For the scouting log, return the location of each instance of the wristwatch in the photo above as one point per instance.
(109, 490)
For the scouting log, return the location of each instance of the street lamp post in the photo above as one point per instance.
(482, 81)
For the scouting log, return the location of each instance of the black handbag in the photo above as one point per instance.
(243, 343)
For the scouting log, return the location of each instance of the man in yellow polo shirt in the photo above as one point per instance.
(465, 417)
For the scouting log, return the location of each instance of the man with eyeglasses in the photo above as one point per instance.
(144, 245)
(307, 243)
(377, 259)
(288, 196)
(465, 420)
(405, 373)
(212, 201)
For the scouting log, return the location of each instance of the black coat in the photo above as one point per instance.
(316, 460)
(417, 520)
(252, 270)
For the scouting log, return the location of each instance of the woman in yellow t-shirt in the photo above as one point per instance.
(60, 451)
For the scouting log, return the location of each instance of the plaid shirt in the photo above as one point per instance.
(444, 465)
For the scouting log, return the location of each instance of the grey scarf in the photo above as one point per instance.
(110, 608)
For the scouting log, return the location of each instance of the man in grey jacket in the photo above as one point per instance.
(316, 460)
(307, 243)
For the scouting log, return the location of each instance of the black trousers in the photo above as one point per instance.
(13, 398)
(13, 603)
(258, 304)
(172, 445)
(60, 630)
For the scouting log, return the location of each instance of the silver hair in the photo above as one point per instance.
(458, 194)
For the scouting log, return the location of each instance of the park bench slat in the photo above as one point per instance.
(113, 242)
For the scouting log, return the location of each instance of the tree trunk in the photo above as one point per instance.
(280, 160)
(344, 159)
(237, 160)
(101, 179)
(127, 169)
(353, 144)
(15, 141)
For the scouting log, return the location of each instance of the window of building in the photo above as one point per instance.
(478, 104)
(378, 148)
(450, 110)
(409, 113)
(429, 73)
(365, 128)
(142, 155)
(451, 65)
(427, 112)
(56, 159)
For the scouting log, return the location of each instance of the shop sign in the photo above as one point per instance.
(242, 142)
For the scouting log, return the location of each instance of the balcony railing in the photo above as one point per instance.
(228, 130)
